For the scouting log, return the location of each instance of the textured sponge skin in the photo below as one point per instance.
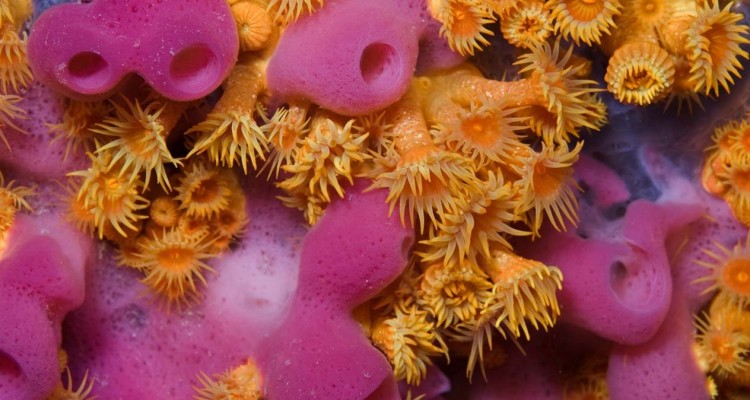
(356, 56)
(319, 351)
(352, 56)
(183, 48)
(41, 280)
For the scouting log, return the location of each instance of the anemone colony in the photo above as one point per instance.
(469, 161)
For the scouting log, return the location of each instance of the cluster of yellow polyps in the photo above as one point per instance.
(465, 161)
(674, 49)
(659, 49)
(722, 343)
(726, 169)
(470, 161)
(167, 230)
(15, 73)
(165, 233)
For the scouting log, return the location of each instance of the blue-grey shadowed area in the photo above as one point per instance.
(41, 5)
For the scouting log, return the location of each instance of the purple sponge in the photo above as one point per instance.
(41, 280)
(319, 351)
(183, 48)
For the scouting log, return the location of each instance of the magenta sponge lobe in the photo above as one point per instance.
(352, 57)
(85, 50)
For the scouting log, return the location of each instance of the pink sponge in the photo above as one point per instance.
(183, 48)
(690, 245)
(664, 367)
(41, 280)
(319, 351)
(121, 334)
(35, 151)
(356, 56)
(352, 56)
(618, 281)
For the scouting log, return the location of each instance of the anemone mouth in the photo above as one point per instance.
(454, 295)
(174, 262)
(640, 73)
(713, 49)
(649, 12)
(464, 25)
(720, 344)
(584, 20)
(528, 26)
(736, 276)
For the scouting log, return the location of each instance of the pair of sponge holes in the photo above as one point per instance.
(196, 66)
(193, 69)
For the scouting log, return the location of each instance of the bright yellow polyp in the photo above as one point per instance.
(422, 178)
(720, 345)
(78, 119)
(640, 73)
(230, 135)
(584, 20)
(112, 199)
(487, 130)
(326, 159)
(712, 46)
(164, 211)
(203, 191)
(463, 23)
(173, 264)
(529, 25)
(547, 182)
(525, 289)
(286, 132)
(139, 139)
(481, 224)
(453, 293)
(729, 273)
(408, 340)
(15, 72)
